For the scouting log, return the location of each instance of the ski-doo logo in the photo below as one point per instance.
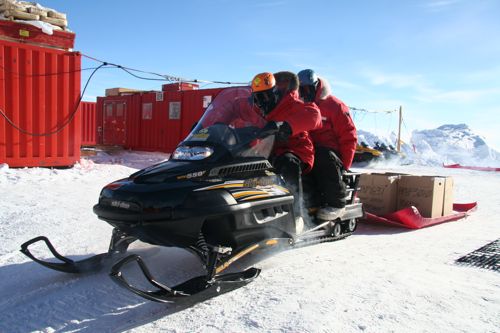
(120, 204)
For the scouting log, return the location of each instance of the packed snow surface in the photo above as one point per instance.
(381, 279)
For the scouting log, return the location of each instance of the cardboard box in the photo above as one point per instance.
(384, 193)
(431, 195)
(448, 197)
(378, 192)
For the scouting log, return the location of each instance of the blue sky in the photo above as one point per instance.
(439, 59)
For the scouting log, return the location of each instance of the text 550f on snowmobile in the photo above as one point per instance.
(217, 196)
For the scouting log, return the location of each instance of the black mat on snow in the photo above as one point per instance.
(487, 257)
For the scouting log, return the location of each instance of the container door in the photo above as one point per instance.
(114, 123)
(120, 114)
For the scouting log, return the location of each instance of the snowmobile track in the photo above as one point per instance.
(319, 240)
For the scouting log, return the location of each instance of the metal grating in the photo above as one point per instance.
(240, 168)
(487, 257)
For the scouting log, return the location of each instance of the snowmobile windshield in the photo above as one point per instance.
(230, 122)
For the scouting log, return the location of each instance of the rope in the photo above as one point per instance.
(370, 111)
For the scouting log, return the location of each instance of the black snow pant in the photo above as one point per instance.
(290, 167)
(324, 185)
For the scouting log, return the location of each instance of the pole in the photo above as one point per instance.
(399, 128)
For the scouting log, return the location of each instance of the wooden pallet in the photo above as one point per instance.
(21, 10)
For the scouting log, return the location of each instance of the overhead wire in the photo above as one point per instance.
(372, 111)
(49, 74)
(364, 112)
(165, 77)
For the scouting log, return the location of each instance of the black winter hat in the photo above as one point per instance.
(286, 81)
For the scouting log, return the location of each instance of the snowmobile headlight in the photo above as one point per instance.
(192, 153)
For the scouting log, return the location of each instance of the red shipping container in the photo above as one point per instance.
(152, 121)
(166, 119)
(194, 104)
(27, 33)
(88, 111)
(162, 131)
(39, 93)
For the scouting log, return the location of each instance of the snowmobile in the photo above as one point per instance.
(217, 196)
(366, 153)
(387, 151)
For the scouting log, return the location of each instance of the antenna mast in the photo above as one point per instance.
(399, 128)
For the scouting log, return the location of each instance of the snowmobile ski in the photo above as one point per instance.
(66, 265)
(211, 283)
(165, 294)
(119, 244)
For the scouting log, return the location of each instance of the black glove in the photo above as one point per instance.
(284, 132)
(280, 128)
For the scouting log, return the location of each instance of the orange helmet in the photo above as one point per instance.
(263, 81)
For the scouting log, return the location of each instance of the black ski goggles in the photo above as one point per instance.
(263, 97)
(307, 93)
(266, 100)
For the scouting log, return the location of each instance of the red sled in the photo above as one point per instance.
(410, 217)
(477, 168)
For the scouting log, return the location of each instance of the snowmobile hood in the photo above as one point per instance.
(163, 171)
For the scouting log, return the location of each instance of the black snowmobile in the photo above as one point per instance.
(217, 196)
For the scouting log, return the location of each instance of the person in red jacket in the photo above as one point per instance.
(277, 98)
(335, 145)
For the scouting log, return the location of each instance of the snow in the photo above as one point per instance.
(46, 27)
(447, 144)
(380, 279)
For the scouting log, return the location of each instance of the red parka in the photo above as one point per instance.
(301, 117)
(338, 131)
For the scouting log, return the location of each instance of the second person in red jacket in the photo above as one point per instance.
(335, 145)
(277, 97)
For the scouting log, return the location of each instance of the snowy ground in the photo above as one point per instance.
(380, 279)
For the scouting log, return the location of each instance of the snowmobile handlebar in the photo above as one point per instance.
(271, 128)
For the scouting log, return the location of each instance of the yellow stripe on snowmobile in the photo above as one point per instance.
(282, 188)
(245, 193)
(272, 242)
(253, 197)
(236, 257)
(225, 186)
(214, 187)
